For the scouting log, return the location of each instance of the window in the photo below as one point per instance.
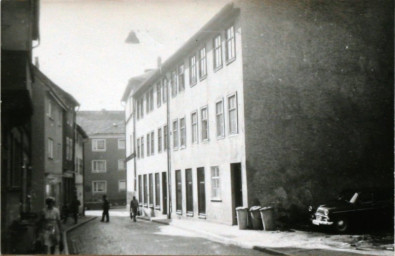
(215, 183)
(189, 190)
(99, 145)
(142, 147)
(121, 144)
(217, 52)
(151, 189)
(50, 148)
(157, 190)
(99, 166)
(159, 140)
(202, 63)
(151, 98)
(147, 100)
(121, 185)
(230, 44)
(174, 83)
(49, 110)
(183, 133)
(219, 115)
(140, 107)
(164, 95)
(69, 149)
(192, 73)
(181, 78)
(158, 94)
(178, 192)
(148, 144)
(194, 127)
(121, 164)
(138, 148)
(140, 189)
(145, 190)
(204, 120)
(232, 109)
(165, 138)
(175, 134)
(99, 186)
(152, 143)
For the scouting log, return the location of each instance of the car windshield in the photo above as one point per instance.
(348, 196)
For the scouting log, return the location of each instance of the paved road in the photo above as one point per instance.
(122, 236)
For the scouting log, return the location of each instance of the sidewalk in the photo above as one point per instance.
(293, 242)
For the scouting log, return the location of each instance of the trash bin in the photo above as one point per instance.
(267, 215)
(256, 217)
(242, 217)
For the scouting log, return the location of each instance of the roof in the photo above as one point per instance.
(135, 82)
(102, 122)
(207, 30)
(82, 132)
(66, 97)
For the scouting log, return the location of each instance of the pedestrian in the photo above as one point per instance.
(134, 205)
(106, 208)
(74, 208)
(50, 226)
(64, 213)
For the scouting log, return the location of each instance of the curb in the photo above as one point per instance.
(66, 247)
(220, 239)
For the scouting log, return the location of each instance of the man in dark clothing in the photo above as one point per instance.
(134, 205)
(106, 208)
(74, 207)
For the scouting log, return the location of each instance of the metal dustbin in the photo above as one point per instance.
(267, 215)
(256, 218)
(242, 217)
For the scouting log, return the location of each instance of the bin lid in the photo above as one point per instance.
(266, 208)
(241, 208)
(255, 208)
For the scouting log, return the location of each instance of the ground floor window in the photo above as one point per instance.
(157, 190)
(151, 190)
(215, 183)
(140, 189)
(189, 190)
(99, 186)
(178, 192)
(122, 185)
(145, 190)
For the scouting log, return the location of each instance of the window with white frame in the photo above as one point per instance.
(217, 52)
(230, 44)
(215, 183)
(159, 140)
(121, 164)
(158, 94)
(99, 166)
(165, 138)
(164, 85)
(204, 123)
(152, 142)
(121, 144)
(148, 144)
(50, 148)
(181, 78)
(122, 185)
(192, 73)
(232, 112)
(174, 83)
(202, 63)
(98, 144)
(183, 133)
(219, 118)
(175, 134)
(99, 186)
(194, 127)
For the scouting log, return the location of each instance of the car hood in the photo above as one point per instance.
(336, 205)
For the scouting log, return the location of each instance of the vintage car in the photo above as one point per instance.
(353, 207)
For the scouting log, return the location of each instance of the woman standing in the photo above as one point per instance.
(50, 226)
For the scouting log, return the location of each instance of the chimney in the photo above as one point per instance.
(36, 62)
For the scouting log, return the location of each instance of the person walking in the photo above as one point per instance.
(74, 207)
(134, 205)
(50, 226)
(106, 209)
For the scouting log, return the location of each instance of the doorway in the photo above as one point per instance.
(201, 191)
(237, 189)
(164, 193)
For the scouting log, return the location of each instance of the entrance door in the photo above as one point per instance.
(201, 191)
(164, 193)
(237, 189)
(189, 190)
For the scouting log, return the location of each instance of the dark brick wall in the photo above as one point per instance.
(318, 92)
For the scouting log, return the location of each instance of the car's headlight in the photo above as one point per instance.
(326, 212)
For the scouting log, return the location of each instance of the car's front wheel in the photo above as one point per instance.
(341, 225)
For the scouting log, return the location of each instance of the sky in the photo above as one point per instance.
(82, 42)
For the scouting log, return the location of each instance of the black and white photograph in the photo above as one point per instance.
(197, 127)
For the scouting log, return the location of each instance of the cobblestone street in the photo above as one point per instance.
(122, 236)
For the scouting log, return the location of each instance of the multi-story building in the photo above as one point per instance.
(104, 157)
(51, 104)
(19, 32)
(278, 102)
(80, 139)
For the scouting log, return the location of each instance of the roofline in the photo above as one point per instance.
(82, 131)
(223, 14)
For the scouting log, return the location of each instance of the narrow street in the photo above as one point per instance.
(122, 236)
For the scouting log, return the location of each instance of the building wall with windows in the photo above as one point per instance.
(104, 157)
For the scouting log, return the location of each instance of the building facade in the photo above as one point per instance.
(264, 105)
(104, 157)
(80, 139)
